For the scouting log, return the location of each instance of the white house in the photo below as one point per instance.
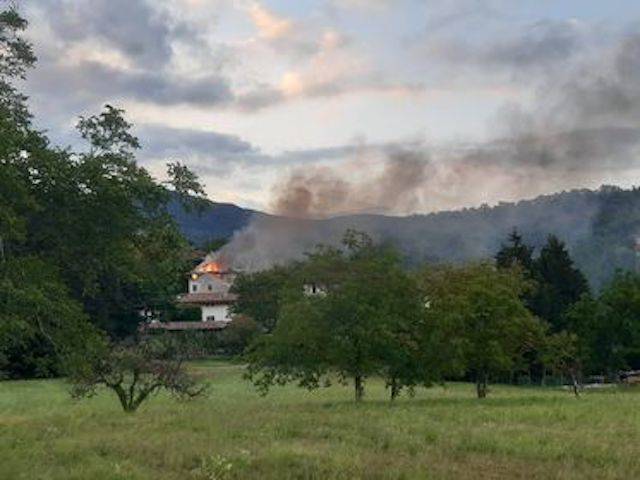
(209, 285)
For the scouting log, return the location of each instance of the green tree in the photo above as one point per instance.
(350, 326)
(515, 252)
(563, 355)
(186, 184)
(134, 373)
(260, 295)
(40, 324)
(121, 250)
(489, 327)
(559, 283)
(95, 218)
(609, 325)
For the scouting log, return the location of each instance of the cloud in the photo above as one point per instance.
(332, 67)
(132, 27)
(580, 126)
(207, 152)
(375, 5)
(269, 25)
(101, 51)
(538, 46)
(93, 83)
(160, 140)
(442, 15)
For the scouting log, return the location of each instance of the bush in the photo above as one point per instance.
(234, 339)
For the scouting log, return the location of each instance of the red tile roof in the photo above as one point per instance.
(207, 298)
(175, 326)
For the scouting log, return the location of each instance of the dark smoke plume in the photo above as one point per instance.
(583, 124)
(322, 192)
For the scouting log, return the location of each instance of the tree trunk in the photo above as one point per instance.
(122, 396)
(481, 385)
(576, 386)
(359, 387)
(395, 388)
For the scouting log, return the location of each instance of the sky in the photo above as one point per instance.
(317, 108)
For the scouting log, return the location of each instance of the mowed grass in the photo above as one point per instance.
(292, 433)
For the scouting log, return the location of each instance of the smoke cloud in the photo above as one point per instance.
(581, 124)
(395, 184)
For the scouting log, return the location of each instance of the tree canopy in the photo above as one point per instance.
(479, 309)
(347, 311)
(86, 232)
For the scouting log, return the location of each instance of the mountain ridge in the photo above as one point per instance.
(598, 226)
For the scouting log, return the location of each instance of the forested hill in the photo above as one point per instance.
(217, 221)
(598, 226)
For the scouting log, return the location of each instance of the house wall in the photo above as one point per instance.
(208, 283)
(313, 289)
(220, 313)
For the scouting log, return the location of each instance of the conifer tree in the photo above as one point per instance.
(560, 283)
(515, 251)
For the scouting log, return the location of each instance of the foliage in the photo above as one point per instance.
(95, 218)
(40, 324)
(214, 467)
(609, 326)
(489, 327)
(364, 315)
(238, 335)
(562, 355)
(560, 283)
(109, 133)
(260, 295)
(557, 283)
(187, 186)
(515, 252)
(16, 57)
(134, 373)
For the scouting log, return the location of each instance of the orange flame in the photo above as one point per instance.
(211, 267)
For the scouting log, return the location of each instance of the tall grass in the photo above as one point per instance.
(295, 434)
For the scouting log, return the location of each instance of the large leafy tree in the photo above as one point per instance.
(481, 312)
(260, 295)
(95, 218)
(40, 324)
(609, 326)
(360, 321)
(135, 373)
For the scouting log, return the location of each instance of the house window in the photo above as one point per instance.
(210, 287)
(194, 288)
(211, 318)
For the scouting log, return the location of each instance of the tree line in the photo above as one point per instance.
(518, 318)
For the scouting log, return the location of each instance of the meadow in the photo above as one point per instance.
(518, 432)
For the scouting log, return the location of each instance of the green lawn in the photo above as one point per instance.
(292, 433)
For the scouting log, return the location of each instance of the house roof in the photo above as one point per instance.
(177, 326)
(207, 298)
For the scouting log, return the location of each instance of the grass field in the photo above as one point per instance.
(292, 433)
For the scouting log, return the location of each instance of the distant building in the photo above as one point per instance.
(209, 285)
